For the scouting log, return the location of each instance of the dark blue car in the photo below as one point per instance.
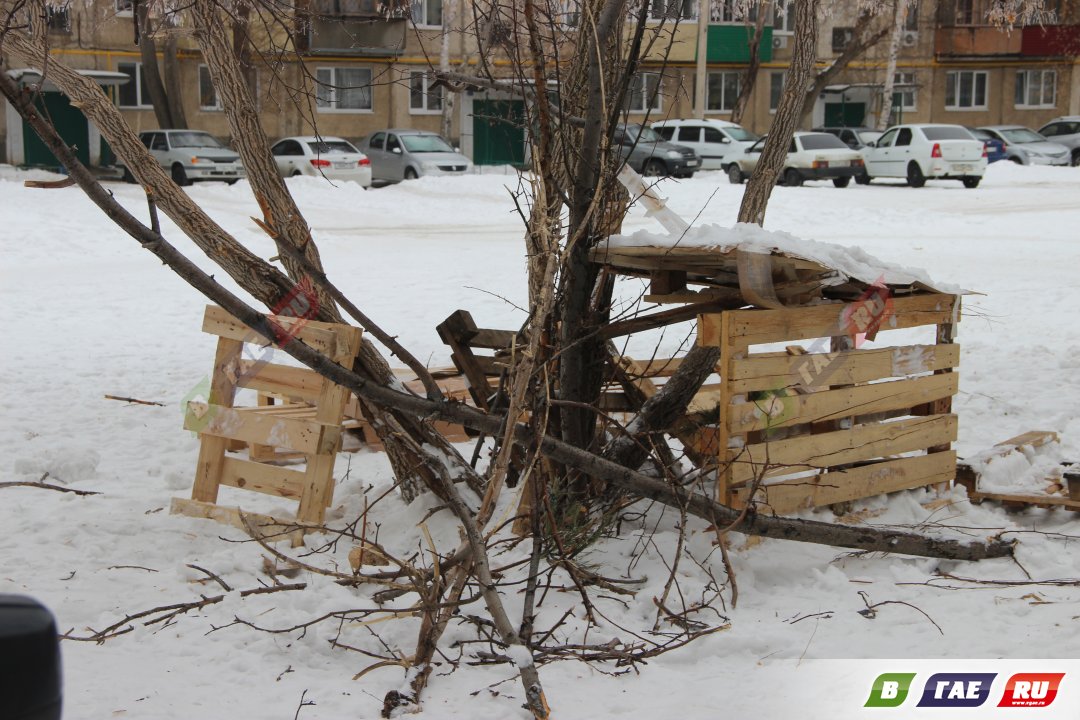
(995, 149)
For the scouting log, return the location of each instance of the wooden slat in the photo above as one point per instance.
(492, 339)
(268, 526)
(223, 393)
(307, 436)
(862, 442)
(294, 382)
(767, 371)
(774, 412)
(789, 324)
(267, 479)
(855, 483)
(318, 335)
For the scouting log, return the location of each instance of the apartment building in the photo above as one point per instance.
(352, 66)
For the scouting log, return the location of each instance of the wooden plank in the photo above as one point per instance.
(318, 335)
(789, 324)
(777, 411)
(268, 526)
(267, 479)
(768, 371)
(223, 393)
(854, 483)
(493, 339)
(861, 442)
(307, 436)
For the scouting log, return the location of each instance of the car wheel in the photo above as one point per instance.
(841, 182)
(915, 177)
(971, 182)
(792, 178)
(127, 176)
(734, 174)
(862, 179)
(1076, 158)
(232, 182)
(1017, 160)
(179, 176)
(654, 168)
(296, 173)
(410, 174)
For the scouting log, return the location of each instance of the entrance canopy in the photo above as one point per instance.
(30, 76)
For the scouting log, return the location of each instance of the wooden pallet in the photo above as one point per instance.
(966, 476)
(838, 424)
(310, 424)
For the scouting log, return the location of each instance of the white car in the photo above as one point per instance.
(925, 151)
(716, 142)
(190, 156)
(328, 157)
(811, 156)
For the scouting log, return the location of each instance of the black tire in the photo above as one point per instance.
(296, 173)
(1076, 158)
(862, 179)
(792, 178)
(654, 168)
(915, 177)
(734, 174)
(1017, 160)
(841, 182)
(127, 176)
(179, 176)
(971, 182)
(232, 182)
(410, 174)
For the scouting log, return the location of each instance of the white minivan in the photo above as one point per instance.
(717, 142)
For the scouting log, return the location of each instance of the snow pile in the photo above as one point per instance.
(1024, 471)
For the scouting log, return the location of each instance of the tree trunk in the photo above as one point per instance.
(774, 154)
(890, 67)
(750, 78)
(863, 41)
(174, 93)
(151, 77)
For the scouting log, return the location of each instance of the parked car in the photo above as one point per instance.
(1024, 146)
(402, 154)
(651, 155)
(919, 152)
(855, 138)
(329, 157)
(716, 142)
(995, 149)
(1065, 130)
(191, 156)
(811, 156)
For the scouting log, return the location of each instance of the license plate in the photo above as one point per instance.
(342, 165)
(692, 163)
(963, 167)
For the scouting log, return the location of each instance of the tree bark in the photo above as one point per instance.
(150, 75)
(863, 41)
(174, 92)
(754, 63)
(890, 66)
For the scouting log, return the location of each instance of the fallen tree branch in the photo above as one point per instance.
(134, 400)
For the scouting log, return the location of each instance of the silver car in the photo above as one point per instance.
(1065, 130)
(190, 156)
(328, 157)
(399, 154)
(1024, 146)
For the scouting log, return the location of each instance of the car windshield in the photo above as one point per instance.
(193, 140)
(425, 144)
(822, 141)
(741, 134)
(946, 132)
(1022, 135)
(642, 134)
(331, 147)
(868, 136)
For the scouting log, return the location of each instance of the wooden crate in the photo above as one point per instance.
(840, 422)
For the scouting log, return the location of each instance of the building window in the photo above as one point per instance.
(644, 93)
(1036, 88)
(970, 12)
(208, 97)
(133, 93)
(124, 7)
(423, 98)
(841, 38)
(343, 89)
(732, 12)
(776, 89)
(672, 9)
(722, 92)
(427, 13)
(965, 90)
(911, 17)
(784, 17)
(58, 18)
(905, 91)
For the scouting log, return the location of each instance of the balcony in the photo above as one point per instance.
(1051, 41)
(975, 41)
(731, 44)
(357, 28)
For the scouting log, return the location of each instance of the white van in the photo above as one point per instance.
(716, 142)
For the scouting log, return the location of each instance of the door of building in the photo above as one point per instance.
(844, 114)
(70, 124)
(498, 132)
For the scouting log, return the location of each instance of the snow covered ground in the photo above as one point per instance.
(89, 313)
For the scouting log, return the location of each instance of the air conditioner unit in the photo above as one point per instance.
(910, 39)
(779, 42)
